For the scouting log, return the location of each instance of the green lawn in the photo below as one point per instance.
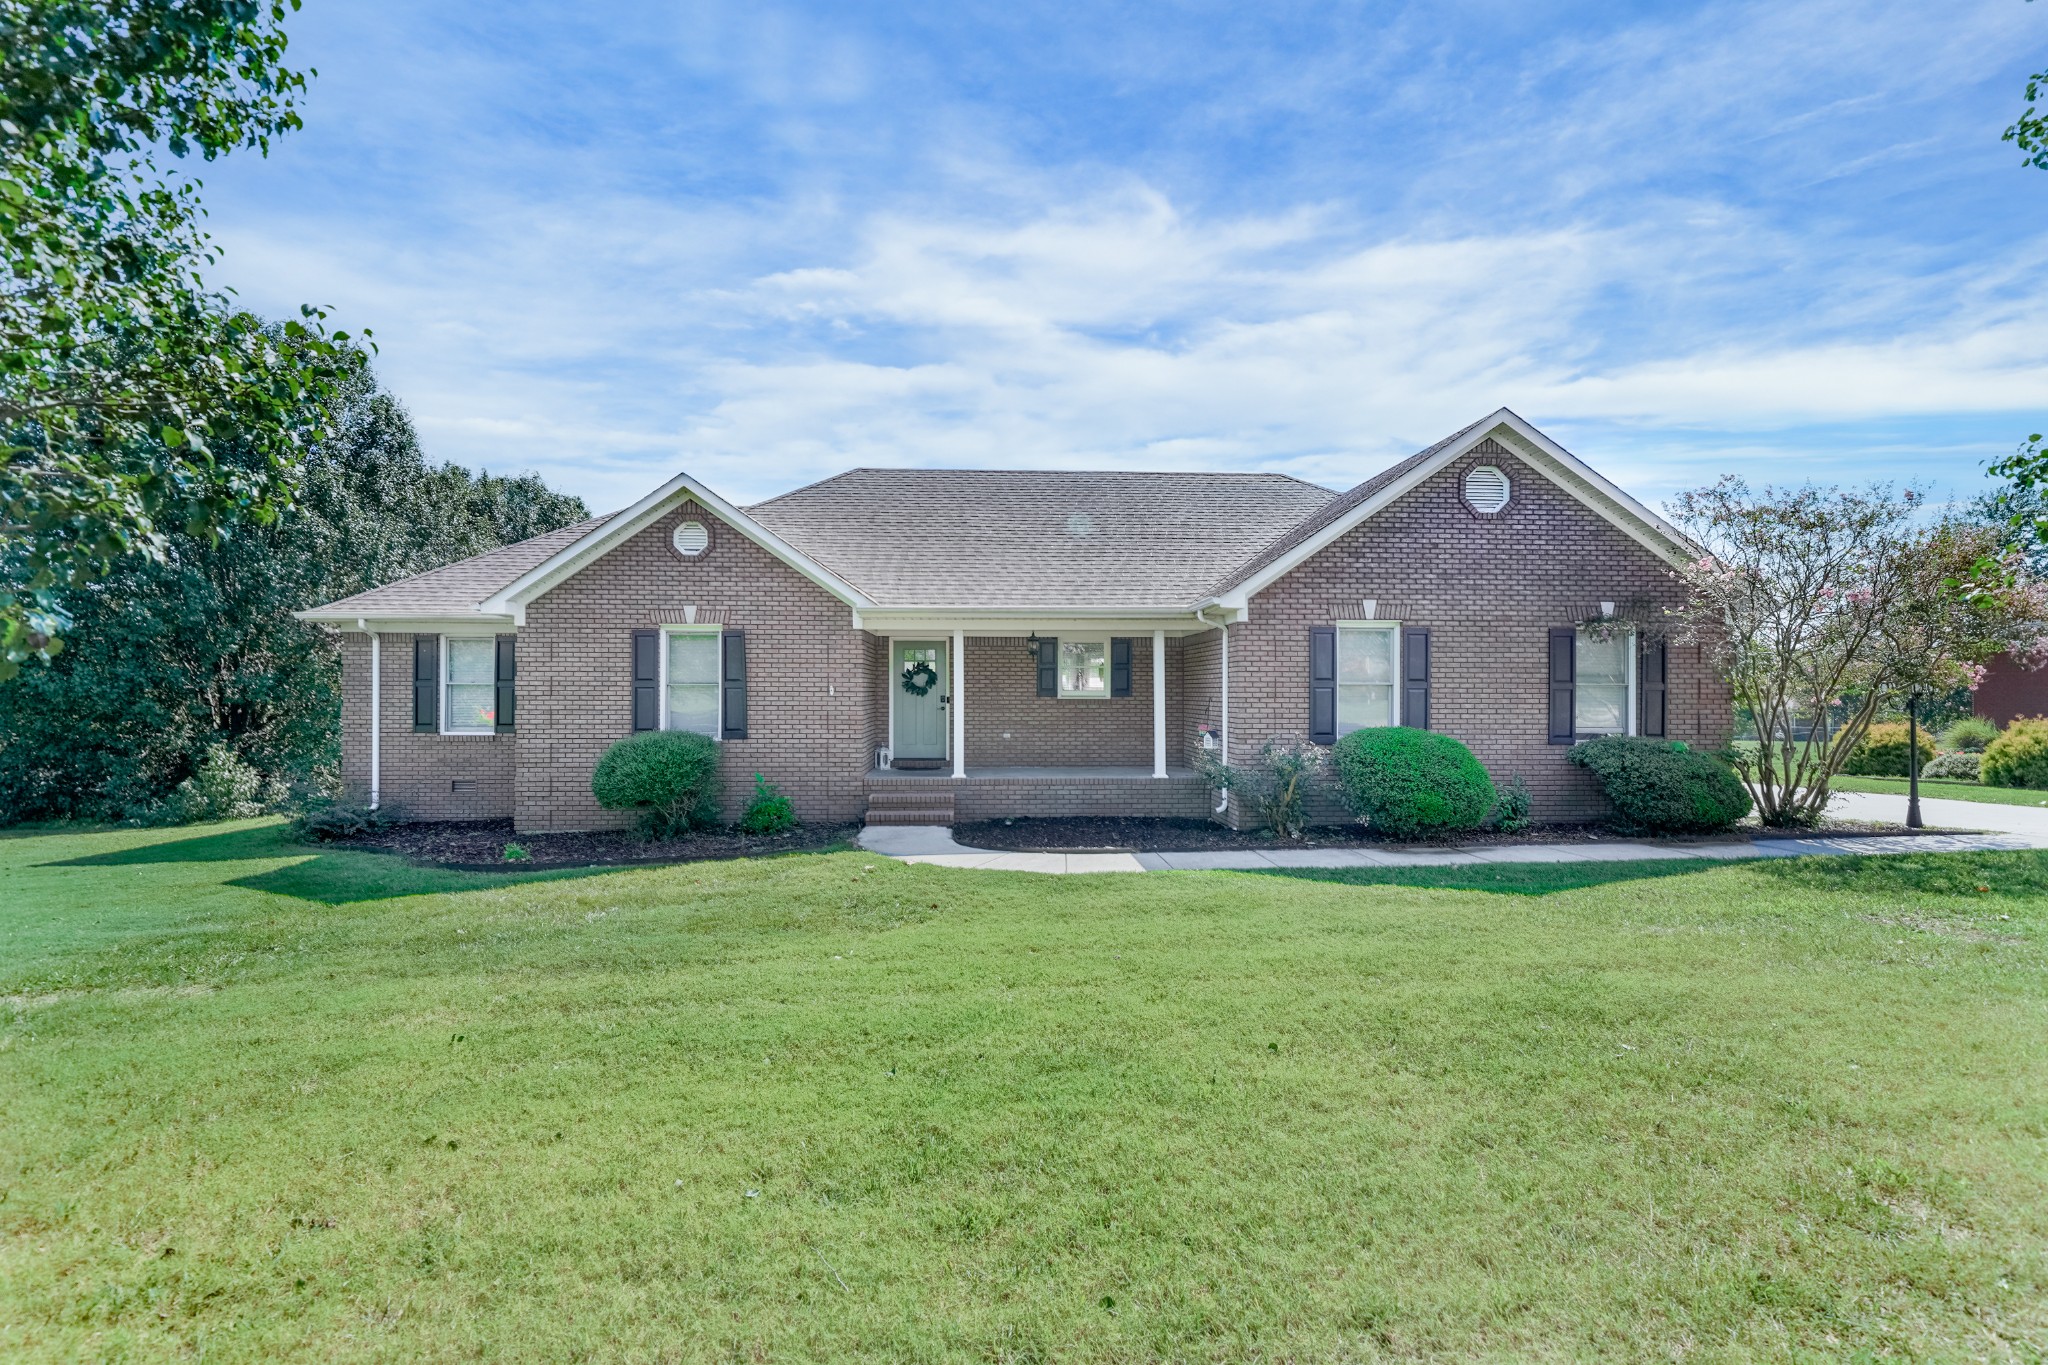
(262, 1103)
(1947, 791)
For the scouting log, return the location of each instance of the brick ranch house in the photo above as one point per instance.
(1072, 640)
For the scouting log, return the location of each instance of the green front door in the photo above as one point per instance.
(920, 725)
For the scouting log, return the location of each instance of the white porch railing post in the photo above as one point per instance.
(1158, 703)
(959, 700)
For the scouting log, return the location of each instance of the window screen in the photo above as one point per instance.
(1601, 705)
(472, 683)
(1365, 677)
(693, 683)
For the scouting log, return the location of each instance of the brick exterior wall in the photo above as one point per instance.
(1489, 589)
(419, 772)
(810, 705)
(1201, 691)
(1010, 725)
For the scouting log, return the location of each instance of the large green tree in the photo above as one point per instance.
(199, 646)
(122, 374)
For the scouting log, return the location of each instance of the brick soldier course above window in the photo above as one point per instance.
(1087, 629)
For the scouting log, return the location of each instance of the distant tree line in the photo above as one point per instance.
(175, 655)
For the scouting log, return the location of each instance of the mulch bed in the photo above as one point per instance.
(479, 845)
(1133, 834)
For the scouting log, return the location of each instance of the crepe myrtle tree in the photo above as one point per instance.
(120, 369)
(1825, 607)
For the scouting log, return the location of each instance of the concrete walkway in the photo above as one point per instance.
(2005, 828)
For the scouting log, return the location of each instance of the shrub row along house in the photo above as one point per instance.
(919, 645)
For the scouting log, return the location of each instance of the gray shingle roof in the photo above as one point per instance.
(455, 589)
(1026, 538)
(1334, 510)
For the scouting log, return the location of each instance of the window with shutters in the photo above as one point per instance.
(690, 681)
(1602, 700)
(1084, 668)
(469, 698)
(1368, 674)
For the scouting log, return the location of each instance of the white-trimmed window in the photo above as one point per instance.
(1084, 668)
(469, 693)
(690, 679)
(1368, 675)
(1603, 690)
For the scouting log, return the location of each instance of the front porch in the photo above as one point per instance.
(1050, 717)
(938, 798)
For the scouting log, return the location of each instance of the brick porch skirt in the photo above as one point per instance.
(997, 793)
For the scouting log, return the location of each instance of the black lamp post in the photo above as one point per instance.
(1912, 763)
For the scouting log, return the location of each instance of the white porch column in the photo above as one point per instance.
(959, 700)
(1158, 703)
(376, 719)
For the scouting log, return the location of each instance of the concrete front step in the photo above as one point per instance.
(893, 816)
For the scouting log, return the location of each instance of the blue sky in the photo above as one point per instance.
(765, 243)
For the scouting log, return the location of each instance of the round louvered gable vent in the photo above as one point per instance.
(1486, 488)
(690, 539)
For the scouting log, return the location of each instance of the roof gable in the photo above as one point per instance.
(1541, 454)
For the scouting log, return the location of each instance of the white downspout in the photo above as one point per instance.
(376, 719)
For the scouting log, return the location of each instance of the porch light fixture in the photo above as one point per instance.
(1031, 644)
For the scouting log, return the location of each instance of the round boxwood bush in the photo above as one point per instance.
(1882, 752)
(1960, 766)
(1412, 783)
(1969, 735)
(670, 777)
(1659, 787)
(2019, 757)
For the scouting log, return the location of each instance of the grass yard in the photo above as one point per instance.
(263, 1102)
(1947, 791)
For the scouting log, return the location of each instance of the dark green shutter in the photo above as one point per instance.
(508, 673)
(426, 683)
(732, 716)
(1415, 678)
(1650, 678)
(646, 680)
(1048, 668)
(1322, 685)
(1120, 667)
(1564, 673)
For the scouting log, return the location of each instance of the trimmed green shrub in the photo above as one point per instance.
(1882, 752)
(2019, 757)
(1511, 809)
(1956, 767)
(320, 821)
(669, 776)
(769, 812)
(1412, 783)
(1969, 735)
(1662, 788)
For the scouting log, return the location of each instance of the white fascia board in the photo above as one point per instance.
(919, 621)
(511, 599)
(401, 624)
(1579, 479)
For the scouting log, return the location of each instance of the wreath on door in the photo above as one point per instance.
(919, 677)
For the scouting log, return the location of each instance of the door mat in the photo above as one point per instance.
(917, 765)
